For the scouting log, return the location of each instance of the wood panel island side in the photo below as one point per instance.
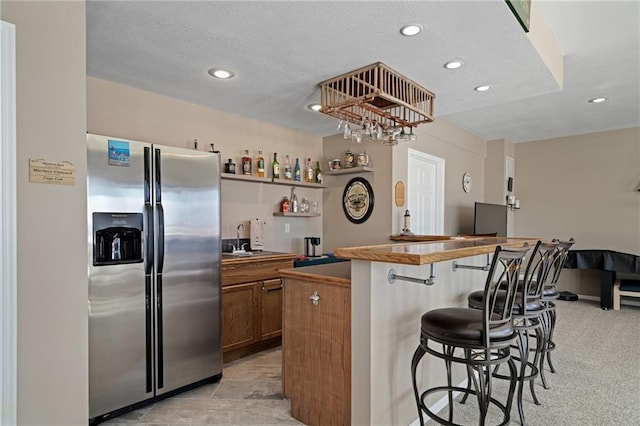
(349, 335)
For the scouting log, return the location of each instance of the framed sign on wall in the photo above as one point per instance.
(357, 200)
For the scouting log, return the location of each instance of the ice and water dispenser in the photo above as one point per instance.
(117, 238)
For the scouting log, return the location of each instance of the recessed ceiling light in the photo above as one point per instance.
(453, 65)
(483, 88)
(410, 30)
(221, 73)
(597, 100)
(314, 107)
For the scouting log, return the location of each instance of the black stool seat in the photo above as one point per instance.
(476, 301)
(462, 326)
(549, 293)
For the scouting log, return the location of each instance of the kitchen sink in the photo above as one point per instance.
(239, 254)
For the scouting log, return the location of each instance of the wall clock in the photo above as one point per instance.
(357, 200)
(466, 182)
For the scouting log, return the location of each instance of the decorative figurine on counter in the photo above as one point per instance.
(407, 224)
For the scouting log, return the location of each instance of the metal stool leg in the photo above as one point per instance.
(417, 356)
(546, 325)
(551, 344)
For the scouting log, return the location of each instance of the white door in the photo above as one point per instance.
(425, 193)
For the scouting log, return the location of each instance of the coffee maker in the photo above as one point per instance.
(310, 244)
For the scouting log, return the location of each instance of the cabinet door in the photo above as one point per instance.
(239, 315)
(271, 308)
(317, 352)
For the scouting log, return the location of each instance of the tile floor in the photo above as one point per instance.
(250, 393)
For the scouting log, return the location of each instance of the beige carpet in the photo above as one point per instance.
(597, 382)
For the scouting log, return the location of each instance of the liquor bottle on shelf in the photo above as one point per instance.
(317, 173)
(296, 171)
(284, 205)
(260, 165)
(275, 167)
(288, 172)
(308, 175)
(293, 204)
(246, 163)
(230, 167)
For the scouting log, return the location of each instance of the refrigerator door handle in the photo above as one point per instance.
(148, 257)
(160, 210)
(158, 181)
(160, 238)
(160, 352)
(159, 267)
(147, 175)
(148, 334)
(148, 212)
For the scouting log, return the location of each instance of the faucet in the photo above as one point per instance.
(241, 226)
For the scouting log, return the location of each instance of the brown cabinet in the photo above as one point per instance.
(251, 305)
(271, 309)
(316, 346)
(239, 315)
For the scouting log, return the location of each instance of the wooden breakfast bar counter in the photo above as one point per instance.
(420, 253)
(357, 332)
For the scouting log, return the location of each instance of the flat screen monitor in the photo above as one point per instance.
(489, 219)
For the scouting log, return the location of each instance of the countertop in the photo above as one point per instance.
(332, 273)
(264, 256)
(421, 253)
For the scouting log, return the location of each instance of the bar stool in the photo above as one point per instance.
(479, 339)
(549, 295)
(527, 317)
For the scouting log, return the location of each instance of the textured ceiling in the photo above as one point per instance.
(280, 51)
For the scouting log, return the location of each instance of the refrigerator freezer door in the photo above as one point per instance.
(118, 373)
(187, 209)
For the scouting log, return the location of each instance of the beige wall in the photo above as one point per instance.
(583, 187)
(462, 153)
(495, 172)
(338, 230)
(52, 242)
(118, 110)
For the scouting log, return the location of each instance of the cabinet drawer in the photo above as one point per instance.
(253, 271)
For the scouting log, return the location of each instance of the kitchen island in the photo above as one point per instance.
(384, 326)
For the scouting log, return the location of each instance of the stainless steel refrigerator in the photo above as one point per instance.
(154, 272)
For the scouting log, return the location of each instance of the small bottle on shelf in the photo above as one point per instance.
(296, 171)
(317, 174)
(293, 204)
(246, 163)
(260, 165)
(230, 167)
(308, 175)
(288, 171)
(275, 167)
(284, 205)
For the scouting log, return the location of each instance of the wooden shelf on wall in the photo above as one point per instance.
(247, 178)
(349, 170)
(290, 214)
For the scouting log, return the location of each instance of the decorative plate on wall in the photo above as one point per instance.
(357, 200)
